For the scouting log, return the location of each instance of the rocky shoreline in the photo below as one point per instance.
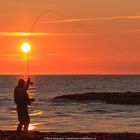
(13, 135)
(126, 98)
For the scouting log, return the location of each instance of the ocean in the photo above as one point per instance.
(64, 116)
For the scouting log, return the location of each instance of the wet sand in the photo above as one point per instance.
(35, 135)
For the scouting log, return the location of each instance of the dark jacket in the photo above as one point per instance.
(21, 97)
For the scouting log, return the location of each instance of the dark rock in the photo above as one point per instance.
(130, 98)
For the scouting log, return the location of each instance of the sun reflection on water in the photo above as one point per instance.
(31, 127)
(36, 113)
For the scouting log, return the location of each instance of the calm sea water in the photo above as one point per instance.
(47, 115)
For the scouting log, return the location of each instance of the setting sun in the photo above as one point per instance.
(25, 47)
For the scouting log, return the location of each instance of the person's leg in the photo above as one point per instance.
(20, 118)
(26, 126)
(27, 122)
(19, 128)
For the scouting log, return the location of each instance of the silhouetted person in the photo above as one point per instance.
(22, 100)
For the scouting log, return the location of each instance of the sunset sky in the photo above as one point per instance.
(71, 36)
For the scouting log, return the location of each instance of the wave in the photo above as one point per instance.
(5, 99)
(128, 98)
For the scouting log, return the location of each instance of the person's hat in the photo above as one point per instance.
(21, 82)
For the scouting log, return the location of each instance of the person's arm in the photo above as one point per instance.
(27, 85)
(29, 100)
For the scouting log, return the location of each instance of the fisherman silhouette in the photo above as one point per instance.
(22, 100)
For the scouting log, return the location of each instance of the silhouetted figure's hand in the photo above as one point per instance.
(32, 99)
(29, 81)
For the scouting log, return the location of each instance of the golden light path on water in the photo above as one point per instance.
(33, 126)
(36, 113)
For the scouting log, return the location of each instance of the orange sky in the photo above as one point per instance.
(73, 37)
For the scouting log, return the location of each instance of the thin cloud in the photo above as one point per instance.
(131, 30)
(9, 55)
(92, 19)
(53, 54)
(19, 55)
(27, 34)
(37, 34)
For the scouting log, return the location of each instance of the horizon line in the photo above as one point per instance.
(68, 74)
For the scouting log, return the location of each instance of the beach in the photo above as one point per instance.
(35, 135)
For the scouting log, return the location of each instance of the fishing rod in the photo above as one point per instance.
(26, 46)
(35, 22)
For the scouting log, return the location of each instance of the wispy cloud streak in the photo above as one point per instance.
(37, 34)
(19, 55)
(93, 19)
(9, 55)
(23, 34)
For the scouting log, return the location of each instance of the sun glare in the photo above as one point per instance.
(31, 127)
(25, 47)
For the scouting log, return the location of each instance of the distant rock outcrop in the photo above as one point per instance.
(130, 98)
